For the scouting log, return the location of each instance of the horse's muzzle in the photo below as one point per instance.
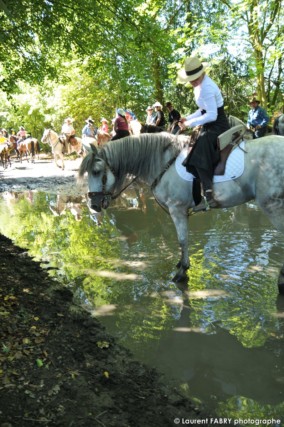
(99, 201)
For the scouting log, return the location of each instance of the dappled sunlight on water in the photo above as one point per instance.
(115, 275)
(220, 337)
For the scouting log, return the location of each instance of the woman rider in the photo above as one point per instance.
(204, 156)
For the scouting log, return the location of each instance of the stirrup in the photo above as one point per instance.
(205, 205)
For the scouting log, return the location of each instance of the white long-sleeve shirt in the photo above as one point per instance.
(68, 129)
(208, 97)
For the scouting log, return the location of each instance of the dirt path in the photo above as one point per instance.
(43, 175)
(58, 366)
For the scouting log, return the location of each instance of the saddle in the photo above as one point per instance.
(227, 141)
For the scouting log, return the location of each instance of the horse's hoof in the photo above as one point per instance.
(180, 276)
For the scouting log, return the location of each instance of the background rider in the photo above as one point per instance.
(67, 130)
(257, 119)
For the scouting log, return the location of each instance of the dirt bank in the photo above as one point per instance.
(59, 367)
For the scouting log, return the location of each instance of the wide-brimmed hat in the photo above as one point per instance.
(157, 104)
(121, 112)
(254, 99)
(69, 120)
(104, 120)
(193, 68)
(90, 120)
(149, 108)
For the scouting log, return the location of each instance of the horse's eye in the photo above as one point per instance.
(95, 173)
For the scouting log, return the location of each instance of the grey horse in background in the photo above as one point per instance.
(151, 159)
(278, 125)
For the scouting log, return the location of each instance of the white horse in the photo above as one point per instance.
(152, 158)
(57, 145)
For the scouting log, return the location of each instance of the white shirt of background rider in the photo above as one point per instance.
(208, 97)
(68, 129)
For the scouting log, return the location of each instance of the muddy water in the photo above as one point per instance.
(220, 338)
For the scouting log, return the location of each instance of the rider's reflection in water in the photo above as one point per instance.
(63, 203)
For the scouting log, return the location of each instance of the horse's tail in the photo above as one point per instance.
(33, 147)
(37, 146)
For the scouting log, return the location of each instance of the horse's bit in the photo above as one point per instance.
(107, 196)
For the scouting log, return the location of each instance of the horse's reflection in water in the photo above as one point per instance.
(63, 203)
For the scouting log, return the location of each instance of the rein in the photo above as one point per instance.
(115, 196)
(158, 179)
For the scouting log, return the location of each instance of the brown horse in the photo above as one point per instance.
(102, 137)
(6, 148)
(28, 147)
(4, 155)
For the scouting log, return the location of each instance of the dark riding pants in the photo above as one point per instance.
(205, 153)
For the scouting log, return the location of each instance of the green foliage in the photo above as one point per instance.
(87, 58)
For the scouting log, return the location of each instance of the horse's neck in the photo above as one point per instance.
(53, 137)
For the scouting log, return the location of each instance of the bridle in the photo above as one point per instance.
(108, 195)
(49, 139)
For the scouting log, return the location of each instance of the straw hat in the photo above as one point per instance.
(68, 120)
(149, 108)
(253, 100)
(90, 121)
(104, 120)
(157, 104)
(193, 68)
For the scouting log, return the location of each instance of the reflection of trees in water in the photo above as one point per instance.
(216, 367)
(132, 275)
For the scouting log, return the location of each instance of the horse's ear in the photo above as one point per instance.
(94, 149)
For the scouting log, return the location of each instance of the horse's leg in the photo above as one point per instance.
(274, 208)
(60, 156)
(56, 157)
(62, 160)
(180, 220)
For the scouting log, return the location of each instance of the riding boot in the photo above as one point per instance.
(207, 203)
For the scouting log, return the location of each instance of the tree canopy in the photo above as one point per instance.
(88, 57)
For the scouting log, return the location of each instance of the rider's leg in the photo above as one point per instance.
(207, 183)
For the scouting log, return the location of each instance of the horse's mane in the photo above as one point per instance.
(143, 156)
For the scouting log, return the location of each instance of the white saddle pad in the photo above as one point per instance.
(234, 167)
